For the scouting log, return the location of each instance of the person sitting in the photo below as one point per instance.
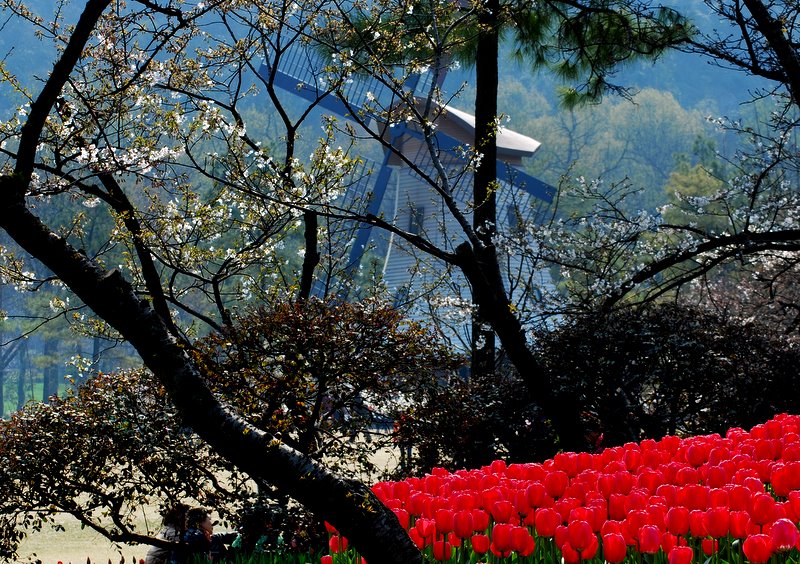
(173, 524)
(199, 539)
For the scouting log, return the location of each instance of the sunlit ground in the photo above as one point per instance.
(74, 545)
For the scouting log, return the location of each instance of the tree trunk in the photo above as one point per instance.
(484, 218)
(50, 371)
(493, 310)
(97, 367)
(486, 281)
(312, 256)
(348, 505)
(22, 370)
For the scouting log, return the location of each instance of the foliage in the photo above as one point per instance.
(325, 377)
(322, 377)
(101, 453)
(639, 372)
(667, 369)
(765, 293)
(462, 422)
(142, 116)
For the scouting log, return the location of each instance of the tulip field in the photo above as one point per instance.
(707, 499)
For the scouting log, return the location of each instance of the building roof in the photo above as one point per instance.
(508, 141)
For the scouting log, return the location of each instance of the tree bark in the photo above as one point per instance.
(785, 52)
(312, 256)
(484, 217)
(22, 371)
(50, 371)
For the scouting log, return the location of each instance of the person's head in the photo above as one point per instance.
(198, 518)
(175, 516)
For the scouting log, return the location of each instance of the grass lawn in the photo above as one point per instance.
(74, 545)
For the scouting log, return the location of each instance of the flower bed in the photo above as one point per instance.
(705, 499)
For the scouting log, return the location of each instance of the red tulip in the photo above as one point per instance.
(521, 541)
(503, 511)
(442, 550)
(580, 535)
(764, 509)
(697, 454)
(501, 537)
(636, 500)
(337, 544)
(717, 522)
(480, 544)
(480, 520)
(697, 523)
(589, 552)
(739, 498)
(327, 559)
(710, 546)
(521, 505)
(784, 535)
(536, 494)
(616, 506)
(781, 479)
(614, 548)
(632, 458)
(570, 555)
(426, 527)
(611, 526)
(400, 490)
(556, 482)
(739, 521)
(649, 539)
(415, 503)
(678, 520)
(694, 496)
(757, 548)
(794, 501)
(623, 482)
(681, 555)
(465, 501)
(463, 524)
(719, 497)
(444, 520)
(546, 521)
(605, 485)
(669, 492)
(403, 517)
(489, 496)
(418, 539)
(562, 536)
(717, 477)
(668, 542)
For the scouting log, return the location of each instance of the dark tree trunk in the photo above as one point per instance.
(50, 372)
(311, 258)
(22, 371)
(486, 282)
(96, 367)
(485, 211)
(493, 310)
